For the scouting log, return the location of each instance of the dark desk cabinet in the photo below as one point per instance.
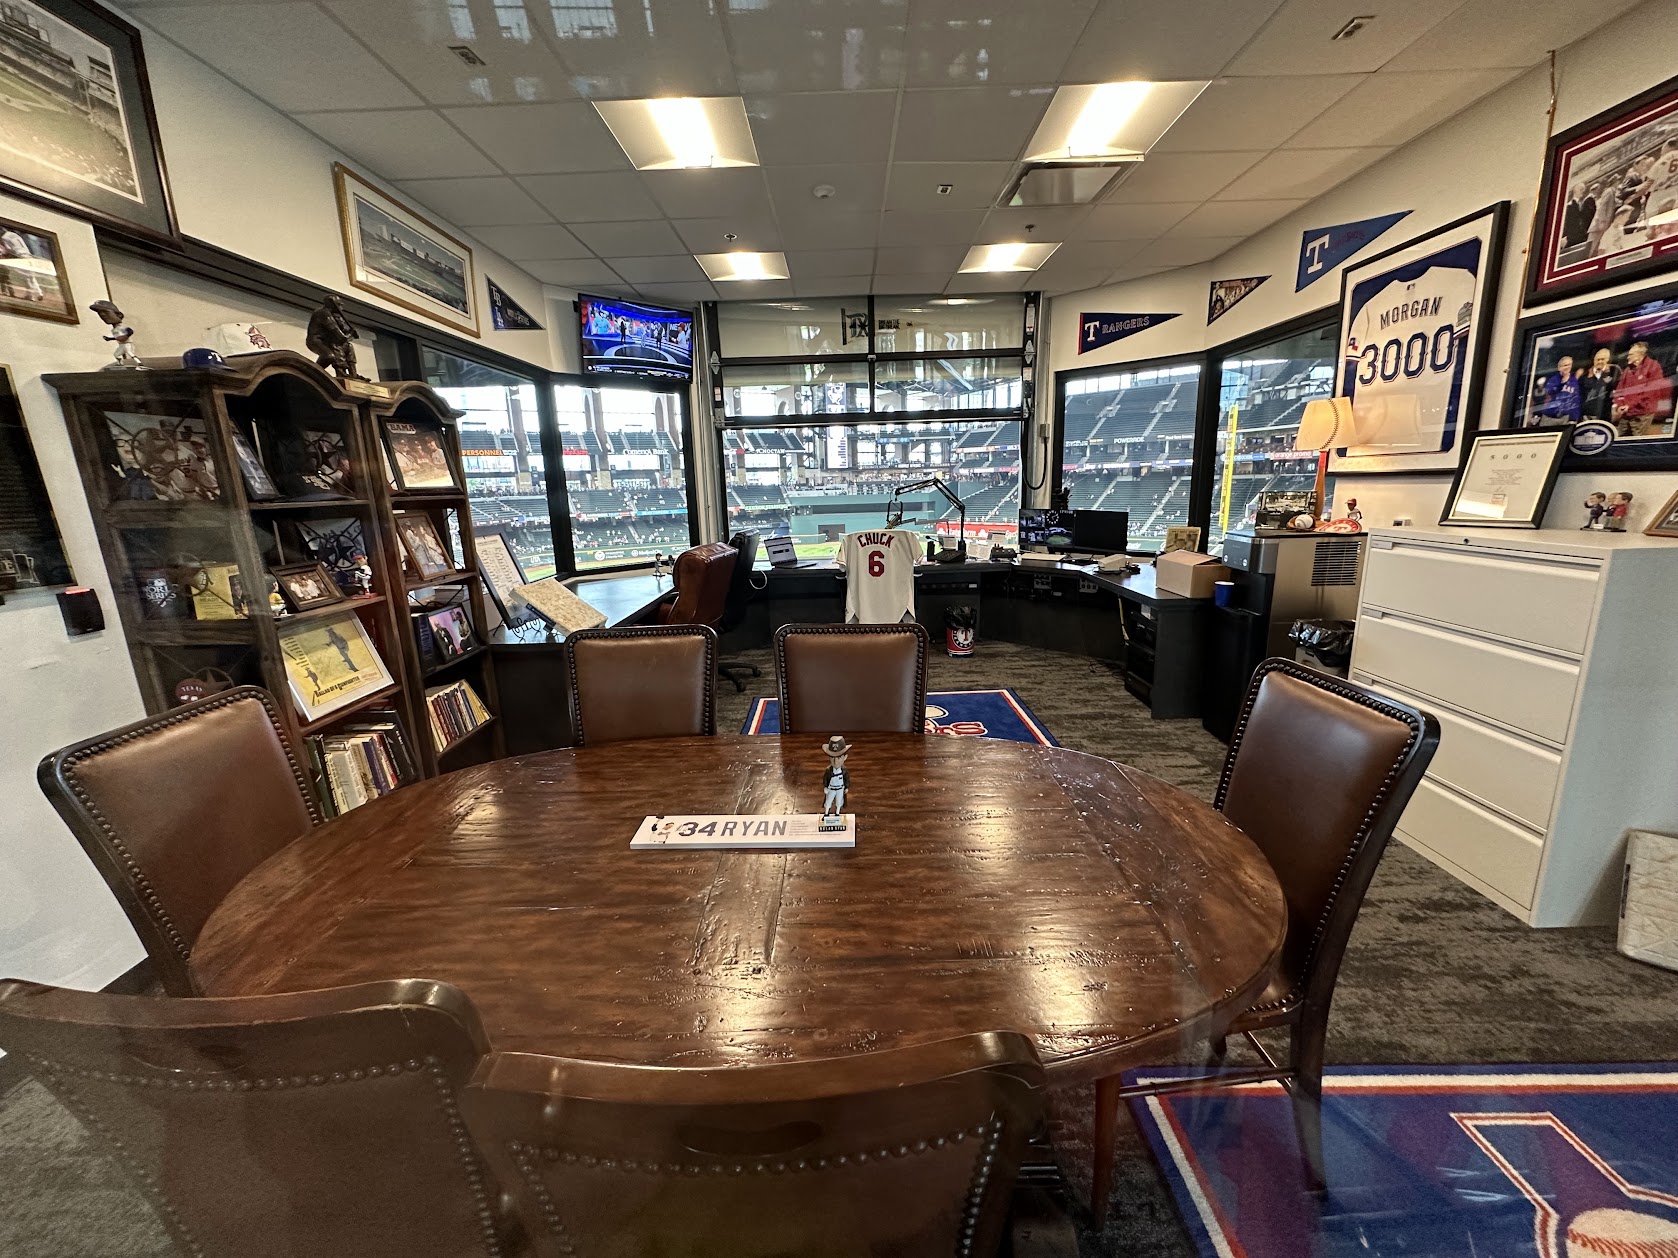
(1058, 611)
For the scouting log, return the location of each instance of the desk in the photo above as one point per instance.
(994, 885)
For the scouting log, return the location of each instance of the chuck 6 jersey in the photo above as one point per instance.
(1403, 361)
(879, 576)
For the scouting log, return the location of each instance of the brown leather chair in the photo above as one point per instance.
(1318, 772)
(324, 1122)
(651, 681)
(701, 577)
(910, 1151)
(852, 679)
(174, 810)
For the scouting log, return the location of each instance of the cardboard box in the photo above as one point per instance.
(1188, 572)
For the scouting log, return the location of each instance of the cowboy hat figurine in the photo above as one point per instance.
(835, 782)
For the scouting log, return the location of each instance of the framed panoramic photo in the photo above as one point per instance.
(77, 129)
(1414, 323)
(1506, 477)
(32, 278)
(402, 256)
(1609, 368)
(1608, 201)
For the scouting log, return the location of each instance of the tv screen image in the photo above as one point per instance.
(629, 339)
(1051, 529)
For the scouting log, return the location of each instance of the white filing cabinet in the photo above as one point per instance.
(1550, 658)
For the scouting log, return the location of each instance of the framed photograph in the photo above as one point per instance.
(399, 254)
(1610, 369)
(451, 630)
(342, 546)
(162, 457)
(305, 586)
(77, 130)
(32, 278)
(427, 555)
(502, 573)
(1181, 537)
(1665, 523)
(1506, 477)
(418, 459)
(1414, 328)
(330, 663)
(1608, 201)
(258, 484)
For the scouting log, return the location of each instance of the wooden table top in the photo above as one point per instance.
(994, 886)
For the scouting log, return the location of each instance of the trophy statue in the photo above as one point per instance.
(835, 782)
(126, 358)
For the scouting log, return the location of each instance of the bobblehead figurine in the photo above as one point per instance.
(1596, 506)
(121, 334)
(835, 782)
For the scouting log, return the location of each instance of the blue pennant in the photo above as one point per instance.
(1096, 330)
(1321, 249)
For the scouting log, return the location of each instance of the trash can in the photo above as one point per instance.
(1325, 645)
(961, 629)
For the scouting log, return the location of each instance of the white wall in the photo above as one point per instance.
(1493, 151)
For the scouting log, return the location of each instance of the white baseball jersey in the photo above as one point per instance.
(879, 576)
(1404, 348)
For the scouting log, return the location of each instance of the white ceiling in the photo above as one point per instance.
(882, 99)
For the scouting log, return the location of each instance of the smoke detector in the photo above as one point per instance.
(822, 191)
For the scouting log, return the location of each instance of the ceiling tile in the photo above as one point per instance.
(1041, 223)
(414, 37)
(846, 45)
(292, 55)
(1388, 109)
(479, 202)
(666, 269)
(401, 143)
(968, 124)
(902, 227)
(983, 283)
(811, 229)
(639, 51)
(630, 239)
(689, 294)
(547, 241)
(708, 193)
(597, 198)
(819, 264)
(856, 189)
(1136, 271)
(754, 231)
(1132, 222)
(918, 259)
(1300, 173)
(833, 286)
(754, 290)
(575, 272)
(837, 127)
(1231, 218)
(1167, 253)
(1093, 257)
(1482, 34)
(909, 285)
(541, 139)
(1299, 38)
(1252, 113)
(960, 42)
(1182, 39)
(1181, 177)
(973, 185)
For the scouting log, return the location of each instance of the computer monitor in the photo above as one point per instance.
(1101, 532)
(1050, 530)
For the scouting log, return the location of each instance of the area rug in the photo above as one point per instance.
(956, 713)
(1429, 1162)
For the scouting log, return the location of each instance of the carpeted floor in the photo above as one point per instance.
(1435, 973)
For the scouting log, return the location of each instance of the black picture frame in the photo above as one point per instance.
(298, 600)
(28, 288)
(258, 484)
(401, 440)
(1559, 434)
(1600, 443)
(123, 183)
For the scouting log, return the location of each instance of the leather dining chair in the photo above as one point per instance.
(174, 810)
(645, 681)
(701, 578)
(904, 1151)
(321, 1122)
(1318, 772)
(845, 679)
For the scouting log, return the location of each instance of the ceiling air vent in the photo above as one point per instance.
(1066, 183)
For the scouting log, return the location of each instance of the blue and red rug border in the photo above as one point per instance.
(760, 706)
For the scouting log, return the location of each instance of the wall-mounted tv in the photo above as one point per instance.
(626, 338)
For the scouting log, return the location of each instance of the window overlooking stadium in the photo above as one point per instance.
(500, 444)
(1127, 444)
(1261, 396)
(625, 473)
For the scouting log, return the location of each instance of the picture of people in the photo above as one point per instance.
(417, 457)
(32, 278)
(453, 632)
(425, 550)
(307, 585)
(330, 663)
(1618, 372)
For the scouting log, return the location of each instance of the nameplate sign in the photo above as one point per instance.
(741, 830)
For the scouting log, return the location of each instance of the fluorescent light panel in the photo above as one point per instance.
(681, 132)
(743, 265)
(1094, 122)
(1014, 256)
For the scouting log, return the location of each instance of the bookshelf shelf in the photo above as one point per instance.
(380, 698)
(336, 609)
(465, 738)
(436, 670)
(339, 505)
(459, 576)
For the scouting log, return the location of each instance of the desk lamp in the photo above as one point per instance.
(894, 516)
(1328, 422)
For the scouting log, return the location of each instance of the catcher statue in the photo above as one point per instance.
(331, 338)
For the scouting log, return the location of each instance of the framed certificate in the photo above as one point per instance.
(1506, 477)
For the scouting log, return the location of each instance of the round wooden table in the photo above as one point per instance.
(994, 886)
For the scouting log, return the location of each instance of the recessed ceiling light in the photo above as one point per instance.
(743, 265)
(1013, 256)
(1093, 122)
(681, 132)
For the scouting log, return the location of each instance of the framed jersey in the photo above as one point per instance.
(1414, 323)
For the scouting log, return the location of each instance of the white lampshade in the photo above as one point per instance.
(1328, 422)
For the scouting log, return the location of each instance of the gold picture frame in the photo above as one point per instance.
(33, 280)
(1665, 521)
(427, 554)
(331, 663)
(395, 252)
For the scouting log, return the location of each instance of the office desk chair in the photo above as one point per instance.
(740, 587)
(701, 578)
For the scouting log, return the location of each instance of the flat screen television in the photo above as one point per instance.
(627, 338)
(1101, 532)
(1046, 530)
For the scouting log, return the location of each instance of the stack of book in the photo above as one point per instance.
(455, 712)
(359, 763)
